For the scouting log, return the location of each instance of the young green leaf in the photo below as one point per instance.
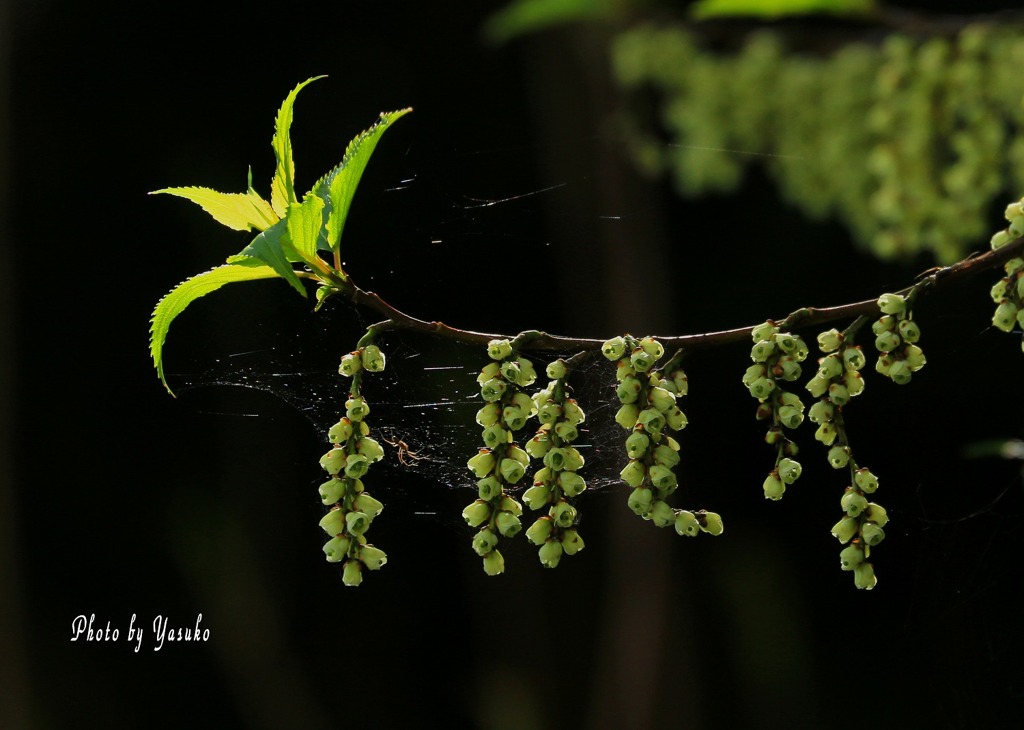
(339, 185)
(187, 292)
(282, 189)
(272, 248)
(240, 211)
(304, 223)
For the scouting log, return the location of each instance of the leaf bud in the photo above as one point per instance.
(336, 548)
(373, 359)
(550, 553)
(686, 524)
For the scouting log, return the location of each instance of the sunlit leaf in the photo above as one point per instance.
(779, 8)
(187, 292)
(240, 211)
(272, 248)
(282, 189)
(304, 222)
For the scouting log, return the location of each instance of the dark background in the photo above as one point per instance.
(120, 500)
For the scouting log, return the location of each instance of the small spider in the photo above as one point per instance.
(406, 456)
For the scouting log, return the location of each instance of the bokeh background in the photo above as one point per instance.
(504, 202)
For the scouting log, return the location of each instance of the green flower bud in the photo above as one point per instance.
(572, 412)
(681, 382)
(651, 420)
(900, 372)
(1014, 265)
(499, 349)
(566, 431)
(494, 436)
(865, 480)
(830, 367)
(686, 524)
(762, 388)
(511, 470)
(764, 331)
(637, 444)
(853, 502)
(488, 488)
(661, 399)
(340, 432)
(627, 416)
(892, 304)
(540, 530)
(884, 324)
(854, 383)
(830, 340)
(373, 359)
(624, 369)
(854, 358)
(773, 487)
(826, 433)
(332, 490)
(482, 464)
(488, 415)
(536, 496)
(711, 523)
(662, 477)
(492, 390)
(839, 456)
(572, 484)
(507, 523)
(652, 347)
(527, 373)
(477, 513)
(573, 459)
(1006, 316)
(818, 386)
(864, 576)
(876, 513)
(333, 523)
(563, 513)
(914, 357)
(550, 554)
(372, 557)
(549, 413)
(838, 394)
(369, 448)
(884, 364)
(357, 408)
(490, 370)
(336, 549)
(628, 390)
(850, 557)
(368, 505)
(641, 360)
(1000, 239)
(788, 368)
(333, 461)
(1013, 210)
(357, 523)
(762, 350)
(909, 331)
(790, 417)
(350, 364)
(356, 466)
(676, 419)
(661, 514)
(513, 417)
(666, 456)
(774, 436)
(538, 446)
(614, 348)
(791, 345)
(998, 291)
(753, 374)
(352, 575)
(872, 533)
(845, 529)
(887, 342)
(821, 412)
(640, 500)
(555, 459)
(556, 370)
(572, 543)
(494, 563)
(510, 371)
(789, 470)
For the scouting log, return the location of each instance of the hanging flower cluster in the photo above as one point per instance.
(352, 508)
(1008, 292)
